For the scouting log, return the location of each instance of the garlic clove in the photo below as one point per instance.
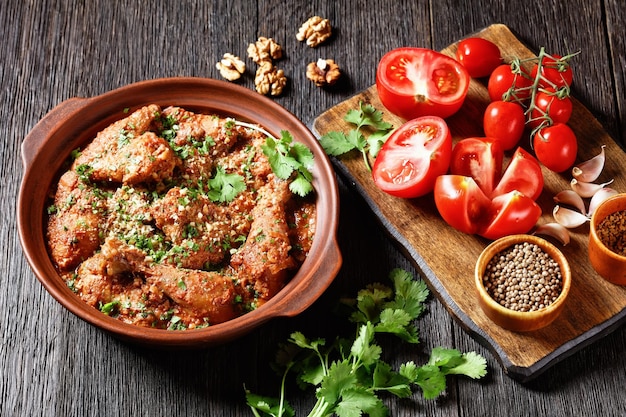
(554, 230)
(590, 170)
(570, 198)
(600, 195)
(587, 189)
(568, 218)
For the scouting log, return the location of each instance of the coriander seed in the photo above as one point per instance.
(612, 232)
(523, 278)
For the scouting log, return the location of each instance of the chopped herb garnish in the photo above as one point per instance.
(110, 308)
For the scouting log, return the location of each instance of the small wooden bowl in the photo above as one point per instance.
(609, 264)
(519, 321)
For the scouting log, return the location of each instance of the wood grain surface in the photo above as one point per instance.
(53, 364)
(448, 257)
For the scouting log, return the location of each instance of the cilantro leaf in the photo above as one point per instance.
(268, 406)
(367, 120)
(473, 366)
(357, 400)
(292, 161)
(223, 187)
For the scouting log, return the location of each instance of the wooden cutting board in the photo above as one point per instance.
(447, 257)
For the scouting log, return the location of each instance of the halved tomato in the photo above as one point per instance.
(413, 157)
(414, 82)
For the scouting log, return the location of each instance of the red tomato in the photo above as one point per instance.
(504, 121)
(511, 213)
(523, 174)
(479, 56)
(461, 203)
(502, 80)
(553, 74)
(551, 109)
(469, 206)
(479, 158)
(413, 157)
(556, 147)
(414, 82)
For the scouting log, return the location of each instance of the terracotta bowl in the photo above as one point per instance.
(609, 264)
(76, 121)
(517, 320)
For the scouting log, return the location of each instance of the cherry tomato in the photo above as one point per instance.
(556, 147)
(414, 82)
(502, 79)
(550, 108)
(511, 213)
(553, 74)
(504, 121)
(479, 158)
(413, 157)
(523, 174)
(461, 203)
(479, 56)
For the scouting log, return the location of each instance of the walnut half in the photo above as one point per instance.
(231, 67)
(323, 72)
(264, 49)
(269, 79)
(315, 31)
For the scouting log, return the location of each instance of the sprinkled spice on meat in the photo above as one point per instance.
(173, 219)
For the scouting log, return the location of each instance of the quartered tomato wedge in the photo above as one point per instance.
(413, 157)
(479, 158)
(461, 203)
(414, 82)
(522, 174)
(511, 213)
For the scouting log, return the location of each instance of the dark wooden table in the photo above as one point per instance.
(52, 363)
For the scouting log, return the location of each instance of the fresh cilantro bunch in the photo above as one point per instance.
(367, 120)
(290, 161)
(348, 375)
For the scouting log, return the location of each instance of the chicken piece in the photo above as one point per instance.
(193, 223)
(263, 261)
(127, 152)
(93, 284)
(74, 229)
(302, 220)
(208, 294)
(204, 294)
(221, 134)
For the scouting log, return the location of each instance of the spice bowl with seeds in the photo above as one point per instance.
(607, 239)
(522, 282)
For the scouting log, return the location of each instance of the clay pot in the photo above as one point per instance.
(75, 122)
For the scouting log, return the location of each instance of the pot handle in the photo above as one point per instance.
(35, 138)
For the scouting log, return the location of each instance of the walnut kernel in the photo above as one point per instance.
(323, 72)
(315, 31)
(264, 49)
(269, 79)
(231, 67)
